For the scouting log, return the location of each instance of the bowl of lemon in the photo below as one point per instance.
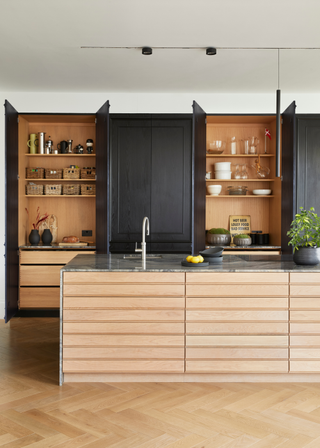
(194, 262)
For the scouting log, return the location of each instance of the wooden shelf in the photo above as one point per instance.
(235, 156)
(60, 155)
(240, 180)
(57, 181)
(60, 196)
(236, 196)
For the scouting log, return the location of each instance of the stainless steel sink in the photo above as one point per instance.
(139, 257)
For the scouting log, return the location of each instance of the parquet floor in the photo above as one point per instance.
(36, 412)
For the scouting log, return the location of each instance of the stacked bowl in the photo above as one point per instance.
(222, 170)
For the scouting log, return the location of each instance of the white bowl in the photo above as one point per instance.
(222, 174)
(261, 191)
(214, 190)
(219, 166)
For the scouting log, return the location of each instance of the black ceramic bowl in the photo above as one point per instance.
(212, 253)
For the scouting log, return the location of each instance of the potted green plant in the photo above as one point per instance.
(219, 237)
(242, 240)
(305, 237)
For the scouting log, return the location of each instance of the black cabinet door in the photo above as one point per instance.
(102, 182)
(11, 212)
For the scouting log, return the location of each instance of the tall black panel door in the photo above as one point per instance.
(171, 183)
(198, 179)
(131, 140)
(288, 190)
(11, 212)
(102, 181)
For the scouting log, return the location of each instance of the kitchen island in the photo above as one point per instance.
(251, 318)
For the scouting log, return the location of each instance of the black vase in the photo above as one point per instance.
(34, 237)
(307, 256)
(46, 237)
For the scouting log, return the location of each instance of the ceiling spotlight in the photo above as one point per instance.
(210, 51)
(146, 50)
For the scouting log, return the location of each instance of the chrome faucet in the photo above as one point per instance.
(145, 231)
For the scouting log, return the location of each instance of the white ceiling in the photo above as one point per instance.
(41, 40)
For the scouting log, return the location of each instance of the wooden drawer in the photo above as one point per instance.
(237, 328)
(237, 290)
(305, 303)
(305, 366)
(305, 353)
(308, 316)
(123, 353)
(123, 366)
(40, 275)
(49, 256)
(305, 290)
(233, 366)
(114, 340)
(78, 302)
(236, 277)
(305, 341)
(123, 315)
(236, 353)
(237, 303)
(305, 277)
(231, 315)
(237, 341)
(305, 328)
(124, 277)
(39, 298)
(138, 290)
(123, 328)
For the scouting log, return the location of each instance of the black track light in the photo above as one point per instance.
(211, 51)
(146, 50)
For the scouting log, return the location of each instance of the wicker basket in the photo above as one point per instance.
(88, 189)
(53, 174)
(71, 189)
(71, 173)
(34, 189)
(53, 190)
(35, 173)
(88, 174)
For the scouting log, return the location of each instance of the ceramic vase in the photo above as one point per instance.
(215, 239)
(307, 256)
(34, 237)
(46, 237)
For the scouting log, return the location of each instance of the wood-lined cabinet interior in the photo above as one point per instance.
(265, 211)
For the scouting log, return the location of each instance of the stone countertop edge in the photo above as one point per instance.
(55, 246)
(172, 263)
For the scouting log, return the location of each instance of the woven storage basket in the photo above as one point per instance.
(71, 189)
(88, 174)
(71, 173)
(53, 190)
(53, 174)
(87, 189)
(34, 189)
(35, 173)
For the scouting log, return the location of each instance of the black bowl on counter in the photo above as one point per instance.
(212, 253)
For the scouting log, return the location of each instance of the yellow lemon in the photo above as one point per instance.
(195, 260)
(201, 258)
(189, 258)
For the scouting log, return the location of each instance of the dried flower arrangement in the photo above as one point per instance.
(39, 219)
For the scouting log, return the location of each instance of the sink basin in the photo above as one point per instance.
(139, 257)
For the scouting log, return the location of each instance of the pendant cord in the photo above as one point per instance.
(278, 68)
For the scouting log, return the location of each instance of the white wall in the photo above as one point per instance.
(138, 103)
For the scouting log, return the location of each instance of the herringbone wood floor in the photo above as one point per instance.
(36, 412)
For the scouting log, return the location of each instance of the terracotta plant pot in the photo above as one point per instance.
(307, 256)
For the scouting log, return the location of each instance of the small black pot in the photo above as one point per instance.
(34, 237)
(307, 256)
(46, 237)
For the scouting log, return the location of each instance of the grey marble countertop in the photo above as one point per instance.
(172, 263)
(54, 246)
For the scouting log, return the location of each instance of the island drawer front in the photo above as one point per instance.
(236, 328)
(237, 290)
(305, 290)
(123, 366)
(49, 256)
(124, 290)
(232, 315)
(215, 353)
(103, 340)
(235, 366)
(305, 353)
(123, 328)
(40, 275)
(305, 366)
(124, 277)
(123, 302)
(305, 277)
(305, 315)
(305, 303)
(39, 298)
(237, 303)
(305, 328)
(123, 353)
(123, 315)
(237, 341)
(235, 277)
(307, 341)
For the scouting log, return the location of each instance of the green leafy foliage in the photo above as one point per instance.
(242, 236)
(219, 231)
(305, 229)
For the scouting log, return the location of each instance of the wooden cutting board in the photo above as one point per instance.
(73, 244)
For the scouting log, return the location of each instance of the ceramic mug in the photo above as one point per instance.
(63, 146)
(33, 143)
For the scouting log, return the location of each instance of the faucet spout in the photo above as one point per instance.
(145, 231)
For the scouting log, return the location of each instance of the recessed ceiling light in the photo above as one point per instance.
(210, 51)
(146, 50)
